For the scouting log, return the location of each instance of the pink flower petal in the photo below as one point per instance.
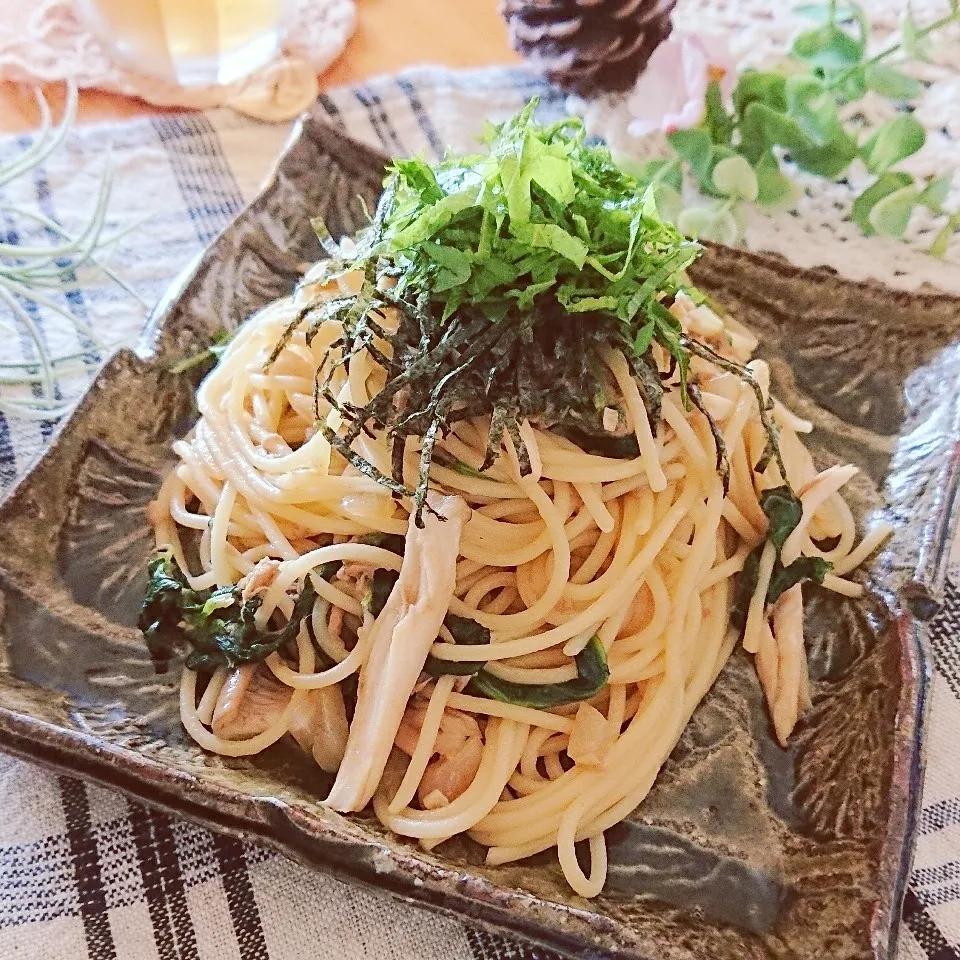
(670, 94)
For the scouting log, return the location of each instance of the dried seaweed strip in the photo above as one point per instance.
(773, 445)
(362, 464)
(328, 310)
(285, 338)
(438, 411)
(330, 246)
(498, 423)
(651, 388)
(523, 454)
(398, 449)
(722, 460)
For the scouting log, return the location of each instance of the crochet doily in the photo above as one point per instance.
(815, 231)
(43, 41)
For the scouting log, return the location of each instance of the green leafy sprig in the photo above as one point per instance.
(742, 152)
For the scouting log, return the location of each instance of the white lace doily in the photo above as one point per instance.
(42, 40)
(816, 231)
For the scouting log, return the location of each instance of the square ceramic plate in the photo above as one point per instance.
(742, 849)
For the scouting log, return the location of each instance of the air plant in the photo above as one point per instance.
(33, 280)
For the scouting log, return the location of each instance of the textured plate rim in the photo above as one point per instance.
(203, 802)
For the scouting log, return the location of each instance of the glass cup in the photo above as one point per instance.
(189, 42)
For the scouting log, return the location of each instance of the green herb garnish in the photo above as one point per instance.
(218, 624)
(783, 511)
(512, 272)
(592, 676)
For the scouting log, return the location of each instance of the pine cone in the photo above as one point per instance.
(588, 46)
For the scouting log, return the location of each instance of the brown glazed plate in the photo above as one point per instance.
(742, 850)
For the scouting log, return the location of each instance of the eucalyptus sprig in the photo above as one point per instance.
(743, 152)
(32, 278)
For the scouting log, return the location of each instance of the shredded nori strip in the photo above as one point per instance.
(723, 461)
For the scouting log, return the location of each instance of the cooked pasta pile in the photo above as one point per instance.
(635, 556)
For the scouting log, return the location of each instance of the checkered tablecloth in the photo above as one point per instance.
(88, 873)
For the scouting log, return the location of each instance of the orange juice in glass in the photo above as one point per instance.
(189, 42)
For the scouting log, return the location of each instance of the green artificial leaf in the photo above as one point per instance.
(935, 192)
(718, 153)
(941, 242)
(734, 177)
(662, 171)
(882, 187)
(892, 83)
(812, 106)
(828, 48)
(814, 11)
(838, 13)
(592, 676)
(754, 86)
(830, 160)
(717, 122)
(694, 147)
(669, 202)
(695, 221)
(764, 127)
(850, 85)
(891, 214)
(892, 142)
(915, 44)
(773, 186)
(724, 229)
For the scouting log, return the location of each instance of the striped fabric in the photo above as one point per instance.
(87, 873)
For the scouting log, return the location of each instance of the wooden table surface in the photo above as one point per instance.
(390, 35)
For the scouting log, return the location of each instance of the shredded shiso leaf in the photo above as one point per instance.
(511, 272)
